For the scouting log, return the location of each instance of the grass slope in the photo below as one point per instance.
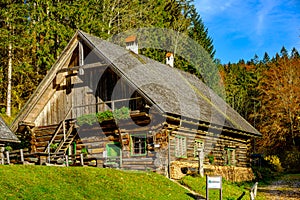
(42, 182)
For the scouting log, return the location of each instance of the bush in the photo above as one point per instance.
(274, 162)
(291, 160)
(87, 119)
(92, 118)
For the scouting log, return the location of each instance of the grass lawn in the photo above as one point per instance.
(42, 182)
(231, 191)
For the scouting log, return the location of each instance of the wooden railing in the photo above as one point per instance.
(253, 191)
(22, 156)
(112, 102)
(62, 124)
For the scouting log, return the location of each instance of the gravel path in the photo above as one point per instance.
(287, 188)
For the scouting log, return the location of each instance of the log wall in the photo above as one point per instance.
(214, 144)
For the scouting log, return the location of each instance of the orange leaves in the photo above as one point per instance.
(280, 100)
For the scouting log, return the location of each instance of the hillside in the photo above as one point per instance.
(42, 182)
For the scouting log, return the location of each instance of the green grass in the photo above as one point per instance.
(42, 182)
(230, 191)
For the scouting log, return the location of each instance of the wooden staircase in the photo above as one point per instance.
(64, 136)
(67, 140)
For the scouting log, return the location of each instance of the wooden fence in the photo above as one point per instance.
(23, 156)
(253, 191)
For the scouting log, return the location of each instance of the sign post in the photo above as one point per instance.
(213, 182)
(200, 159)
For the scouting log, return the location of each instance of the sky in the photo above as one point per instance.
(242, 28)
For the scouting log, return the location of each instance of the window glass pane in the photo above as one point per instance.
(180, 146)
(138, 144)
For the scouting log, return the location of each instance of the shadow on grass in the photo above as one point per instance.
(286, 193)
(241, 197)
(198, 197)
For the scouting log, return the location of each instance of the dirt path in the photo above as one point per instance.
(287, 188)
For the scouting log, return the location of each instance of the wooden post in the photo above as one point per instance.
(64, 130)
(112, 105)
(49, 156)
(33, 139)
(22, 155)
(120, 158)
(67, 160)
(81, 160)
(7, 157)
(2, 155)
(207, 191)
(81, 55)
(253, 191)
(200, 160)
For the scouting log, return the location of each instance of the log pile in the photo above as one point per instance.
(179, 169)
(231, 173)
(236, 174)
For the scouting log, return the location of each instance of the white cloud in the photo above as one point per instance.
(212, 7)
(266, 8)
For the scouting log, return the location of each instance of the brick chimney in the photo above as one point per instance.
(131, 44)
(170, 59)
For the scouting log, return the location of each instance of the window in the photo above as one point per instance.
(230, 156)
(113, 149)
(198, 145)
(180, 146)
(138, 145)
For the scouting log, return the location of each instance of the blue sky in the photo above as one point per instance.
(242, 28)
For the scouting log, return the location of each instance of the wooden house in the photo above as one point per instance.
(127, 111)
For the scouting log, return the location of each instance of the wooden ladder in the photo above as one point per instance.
(62, 125)
(67, 140)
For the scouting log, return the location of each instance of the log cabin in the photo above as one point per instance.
(130, 112)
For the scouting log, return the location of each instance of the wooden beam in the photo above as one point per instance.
(87, 66)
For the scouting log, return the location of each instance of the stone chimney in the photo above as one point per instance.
(170, 59)
(131, 44)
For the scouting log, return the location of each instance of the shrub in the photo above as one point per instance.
(291, 160)
(106, 115)
(8, 148)
(275, 163)
(87, 119)
(122, 113)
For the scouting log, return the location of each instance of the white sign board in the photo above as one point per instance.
(214, 182)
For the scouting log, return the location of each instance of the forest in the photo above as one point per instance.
(266, 91)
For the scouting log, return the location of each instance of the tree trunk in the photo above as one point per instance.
(8, 107)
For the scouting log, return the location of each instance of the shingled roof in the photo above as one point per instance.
(172, 90)
(5, 133)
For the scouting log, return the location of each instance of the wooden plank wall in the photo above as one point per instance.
(84, 95)
(213, 144)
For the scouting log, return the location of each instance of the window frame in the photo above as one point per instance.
(108, 149)
(230, 156)
(181, 144)
(132, 147)
(196, 147)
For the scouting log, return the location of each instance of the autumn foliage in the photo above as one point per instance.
(267, 93)
(279, 114)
